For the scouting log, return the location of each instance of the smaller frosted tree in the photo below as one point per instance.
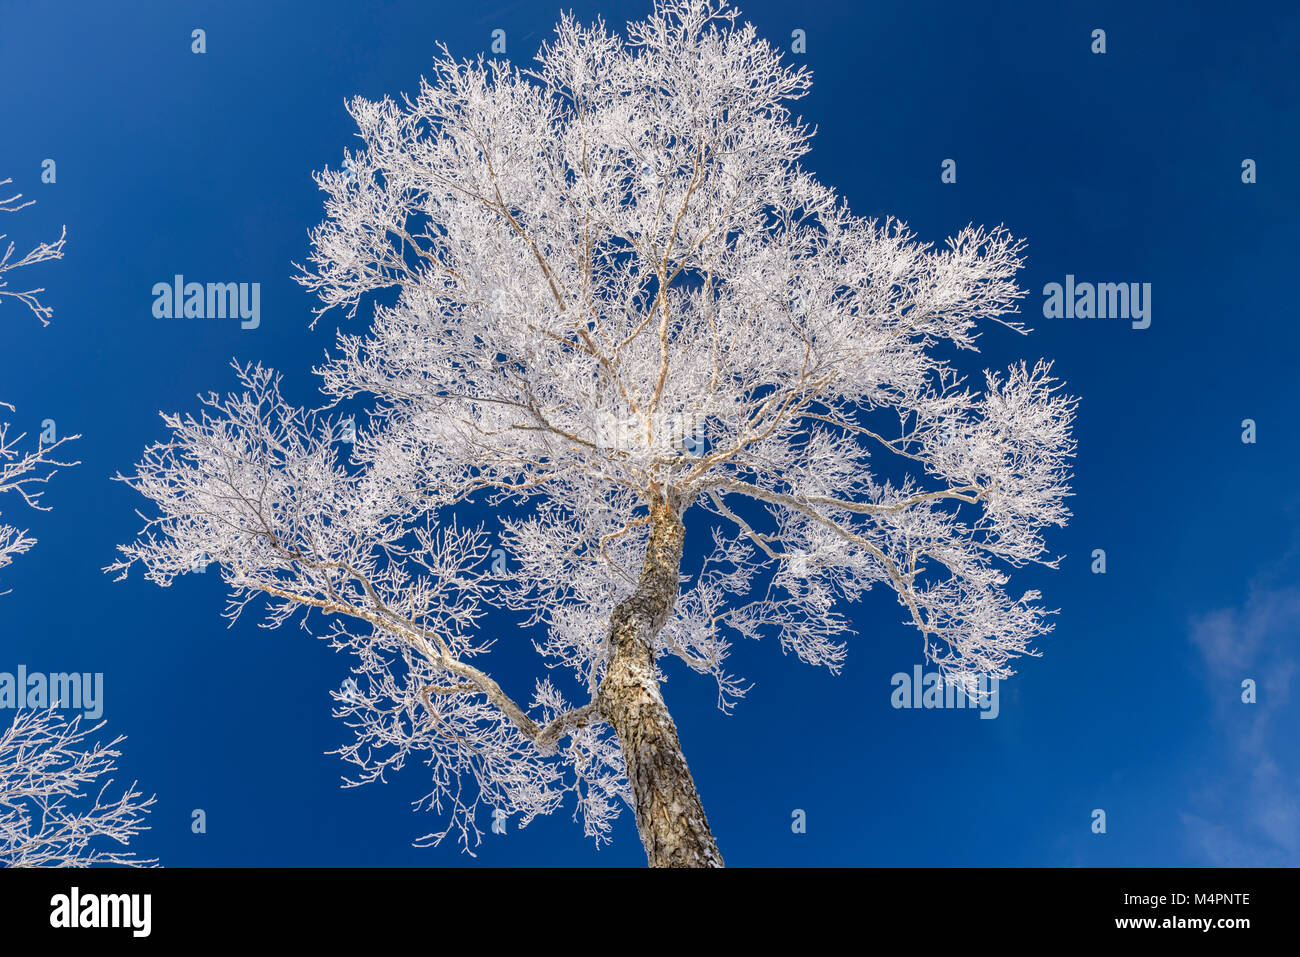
(41, 252)
(47, 766)
(24, 471)
(48, 770)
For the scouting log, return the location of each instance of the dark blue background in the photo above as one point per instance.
(1117, 167)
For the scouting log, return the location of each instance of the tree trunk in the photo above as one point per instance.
(668, 810)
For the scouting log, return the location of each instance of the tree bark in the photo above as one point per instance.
(669, 815)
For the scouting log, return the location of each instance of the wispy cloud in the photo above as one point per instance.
(1249, 812)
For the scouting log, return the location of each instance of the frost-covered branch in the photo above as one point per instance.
(41, 252)
(55, 809)
(25, 474)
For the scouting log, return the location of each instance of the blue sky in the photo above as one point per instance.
(1122, 167)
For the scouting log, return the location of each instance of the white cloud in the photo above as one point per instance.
(1248, 807)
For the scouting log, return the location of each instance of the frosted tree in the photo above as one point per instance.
(609, 308)
(47, 766)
